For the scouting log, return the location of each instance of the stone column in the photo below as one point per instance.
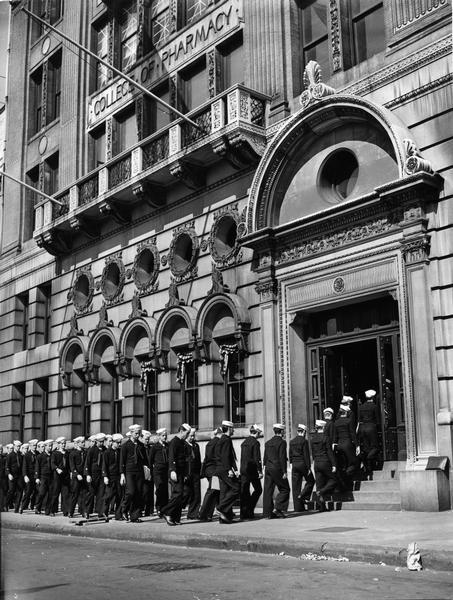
(211, 396)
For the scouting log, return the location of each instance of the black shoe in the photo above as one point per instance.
(21, 511)
(279, 514)
(37, 512)
(170, 521)
(271, 516)
(136, 521)
(71, 515)
(224, 518)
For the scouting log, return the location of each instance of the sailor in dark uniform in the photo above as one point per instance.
(275, 465)
(178, 471)
(148, 484)
(93, 476)
(13, 470)
(77, 469)
(209, 470)
(227, 473)
(133, 460)
(3, 480)
(345, 443)
(159, 465)
(113, 494)
(28, 474)
(299, 458)
(43, 479)
(193, 475)
(324, 461)
(367, 432)
(60, 477)
(251, 472)
(328, 418)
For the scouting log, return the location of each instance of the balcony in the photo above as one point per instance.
(231, 127)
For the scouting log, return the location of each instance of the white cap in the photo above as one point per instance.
(117, 437)
(135, 427)
(346, 399)
(100, 437)
(79, 440)
(9, 446)
(25, 445)
(345, 408)
(49, 441)
(227, 424)
(92, 438)
(278, 426)
(301, 427)
(41, 443)
(328, 410)
(256, 427)
(108, 436)
(60, 439)
(146, 434)
(320, 423)
(161, 430)
(33, 441)
(186, 426)
(370, 393)
(17, 443)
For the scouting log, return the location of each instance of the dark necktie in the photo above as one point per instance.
(99, 458)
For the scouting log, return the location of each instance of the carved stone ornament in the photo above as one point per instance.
(225, 351)
(416, 250)
(183, 253)
(183, 360)
(113, 278)
(414, 161)
(315, 89)
(74, 327)
(267, 290)
(103, 317)
(82, 290)
(137, 310)
(218, 286)
(338, 285)
(145, 270)
(146, 368)
(224, 240)
(173, 295)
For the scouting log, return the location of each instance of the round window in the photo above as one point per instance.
(338, 176)
(82, 291)
(146, 267)
(183, 254)
(111, 278)
(225, 236)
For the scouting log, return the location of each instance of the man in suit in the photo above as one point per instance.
(132, 474)
(111, 473)
(324, 462)
(59, 464)
(275, 464)
(209, 470)
(43, 479)
(178, 471)
(193, 475)
(93, 476)
(13, 470)
(299, 458)
(3, 480)
(77, 469)
(227, 473)
(251, 472)
(159, 465)
(148, 484)
(28, 474)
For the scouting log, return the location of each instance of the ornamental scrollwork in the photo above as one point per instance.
(82, 290)
(145, 270)
(315, 89)
(414, 161)
(113, 278)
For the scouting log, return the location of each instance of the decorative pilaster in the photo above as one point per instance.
(335, 35)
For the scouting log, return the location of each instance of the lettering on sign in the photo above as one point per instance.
(167, 59)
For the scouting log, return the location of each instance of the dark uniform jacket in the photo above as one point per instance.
(299, 451)
(93, 462)
(43, 469)
(209, 466)
(3, 475)
(368, 413)
(275, 454)
(225, 454)
(29, 464)
(193, 458)
(328, 431)
(321, 449)
(159, 456)
(77, 462)
(111, 463)
(60, 460)
(251, 464)
(344, 430)
(177, 457)
(132, 457)
(14, 464)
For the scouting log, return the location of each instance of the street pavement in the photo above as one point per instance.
(43, 566)
(369, 536)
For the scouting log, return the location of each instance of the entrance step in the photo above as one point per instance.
(377, 485)
(370, 506)
(377, 496)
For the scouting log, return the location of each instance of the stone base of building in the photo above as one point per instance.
(427, 491)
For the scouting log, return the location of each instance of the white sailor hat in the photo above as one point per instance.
(108, 436)
(8, 446)
(186, 426)
(161, 431)
(117, 437)
(135, 427)
(320, 423)
(17, 443)
(346, 400)
(33, 441)
(345, 408)
(41, 443)
(25, 445)
(79, 440)
(256, 428)
(328, 410)
(92, 438)
(370, 393)
(278, 426)
(227, 424)
(60, 439)
(301, 427)
(47, 442)
(146, 434)
(100, 437)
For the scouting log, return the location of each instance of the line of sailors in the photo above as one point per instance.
(108, 474)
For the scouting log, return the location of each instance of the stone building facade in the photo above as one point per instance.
(293, 247)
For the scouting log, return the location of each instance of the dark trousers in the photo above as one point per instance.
(78, 495)
(249, 500)
(3, 494)
(369, 445)
(194, 499)
(274, 478)
(15, 489)
(230, 492)
(148, 497)
(346, 457)
(60, 485)
(299, 472)
(325, 479)
(95, 494)
(29, 494)
(113, 498)
(179, 495)
(160, 477)
(210, 502)
(133, 495)
(43, 497)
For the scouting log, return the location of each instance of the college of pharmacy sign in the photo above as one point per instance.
(193, 40)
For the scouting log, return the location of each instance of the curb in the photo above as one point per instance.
(375, 554)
